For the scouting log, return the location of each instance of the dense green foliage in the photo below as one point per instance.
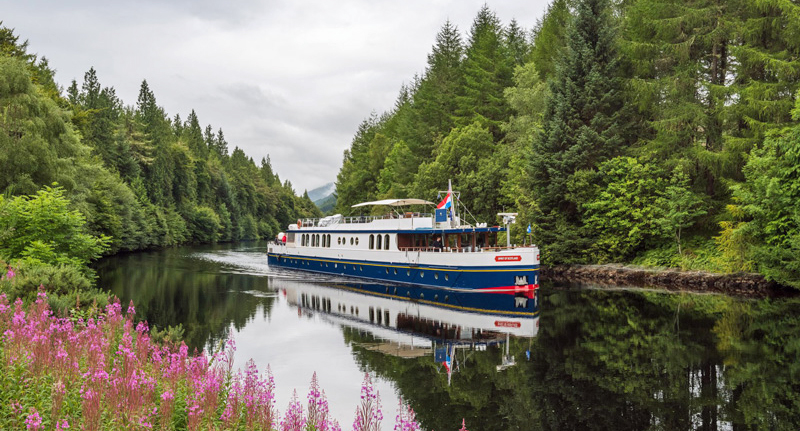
(637, 130)
(136, 177)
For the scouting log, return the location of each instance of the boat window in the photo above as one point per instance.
(386, 317)
(386, 242)
(317, 239)
(371, 241)
(436, 275)
(379, 317)
(339, 241)
(351, 240)
(356, 240)
(329, 240)
(378, 243)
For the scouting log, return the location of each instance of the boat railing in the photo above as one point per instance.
(335, 220)
(467, 249)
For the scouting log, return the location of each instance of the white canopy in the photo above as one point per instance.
(395, 202)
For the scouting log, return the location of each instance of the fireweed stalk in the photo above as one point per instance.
(105, 373)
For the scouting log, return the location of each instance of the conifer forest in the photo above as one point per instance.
(655, 132)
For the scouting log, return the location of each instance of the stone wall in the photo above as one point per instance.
(739, 284)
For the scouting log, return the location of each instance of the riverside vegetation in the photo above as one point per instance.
(97, 370)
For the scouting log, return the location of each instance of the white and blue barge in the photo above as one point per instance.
(410, 248)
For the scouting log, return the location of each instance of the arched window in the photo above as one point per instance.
(386, 242)
(329, 240)
(371, 241)
(378, 243)
(316, 239)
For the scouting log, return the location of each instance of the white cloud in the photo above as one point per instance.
(288, 79)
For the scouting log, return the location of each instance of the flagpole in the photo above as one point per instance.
(453, 200)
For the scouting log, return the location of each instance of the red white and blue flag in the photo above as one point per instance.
(447, 202)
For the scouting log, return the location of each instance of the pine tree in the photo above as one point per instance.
(681, 61)
(549, 38)
(766, 71)
(487, 72)
(434, 102)
(516, 43)
(581, 128)
(193, 135)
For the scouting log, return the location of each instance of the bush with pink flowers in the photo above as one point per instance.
(103, 372)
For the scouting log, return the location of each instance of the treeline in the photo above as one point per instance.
(654, 131)
(135, 176)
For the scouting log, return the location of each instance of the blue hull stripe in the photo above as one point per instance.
(425, 275)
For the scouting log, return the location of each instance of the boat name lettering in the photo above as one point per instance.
(506, 324)
(507, 258)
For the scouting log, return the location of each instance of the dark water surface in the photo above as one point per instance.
(592, 360)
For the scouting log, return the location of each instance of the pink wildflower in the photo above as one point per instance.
(369, 413)
(10, 274)
(34, 421)
(62, 425)
(294, 419)
(463, 425)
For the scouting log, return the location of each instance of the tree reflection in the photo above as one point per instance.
(169, 289)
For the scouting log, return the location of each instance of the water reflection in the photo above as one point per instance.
(409, 326)
(582, 359)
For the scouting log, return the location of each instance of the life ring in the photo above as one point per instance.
(299, 223)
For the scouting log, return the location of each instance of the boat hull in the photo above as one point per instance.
(498, 279)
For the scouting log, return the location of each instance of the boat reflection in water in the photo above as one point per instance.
(416, 321)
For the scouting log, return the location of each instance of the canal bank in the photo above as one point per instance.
(746, 285)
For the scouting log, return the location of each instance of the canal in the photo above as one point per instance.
(589, 359)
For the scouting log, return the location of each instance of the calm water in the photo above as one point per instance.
(592, 359)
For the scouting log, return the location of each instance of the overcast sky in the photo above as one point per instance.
(288, 79)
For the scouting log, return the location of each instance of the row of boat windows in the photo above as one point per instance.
(376, 242)
(318, 240)
(361, 268)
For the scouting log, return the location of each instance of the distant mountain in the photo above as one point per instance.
(321, 192)
(326, 204)
(323, 197)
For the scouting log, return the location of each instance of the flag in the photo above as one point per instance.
(447, 202)
(447, 363)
